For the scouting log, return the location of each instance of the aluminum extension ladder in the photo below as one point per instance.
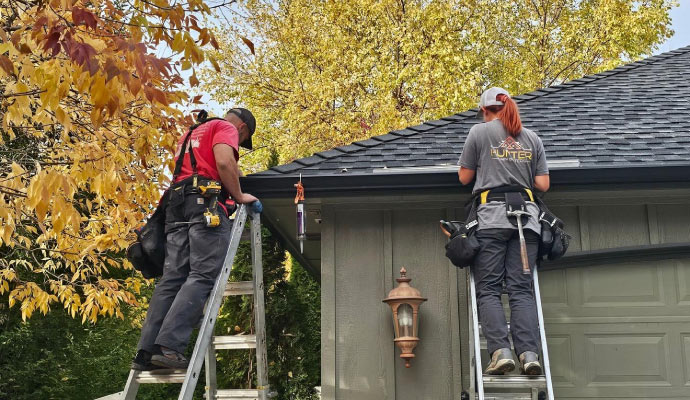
(495, 387)
(207, 344)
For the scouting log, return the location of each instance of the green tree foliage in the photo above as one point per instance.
(324, 73)
(89, 115)
(57, 357)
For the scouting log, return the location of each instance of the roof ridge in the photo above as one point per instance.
(394, 135)
(600, 75)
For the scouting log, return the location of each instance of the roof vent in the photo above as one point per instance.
(563, 163)
(429, 168)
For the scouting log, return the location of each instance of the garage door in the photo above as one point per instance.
(621, 330)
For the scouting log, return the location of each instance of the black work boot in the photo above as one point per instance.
(142, 361)
(530, 363)
(170, 359)
(501, 362)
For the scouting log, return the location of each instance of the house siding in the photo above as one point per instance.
(619, 330)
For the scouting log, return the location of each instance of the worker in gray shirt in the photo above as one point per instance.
(504, 156)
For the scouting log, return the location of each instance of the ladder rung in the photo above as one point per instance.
(161, 376)
(507, 396)
(239, 288)
(234, 342)
(514, 381)
(114, 396)
(246, 394)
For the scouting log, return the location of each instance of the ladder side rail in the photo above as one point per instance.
(132, 386)
(259, 307)
(472, 371)
(475, 329)
(542, 333)
(212, 308)
(211, 382)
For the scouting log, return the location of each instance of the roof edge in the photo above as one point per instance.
(327, 185)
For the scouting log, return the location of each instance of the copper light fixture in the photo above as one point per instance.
(404, 300)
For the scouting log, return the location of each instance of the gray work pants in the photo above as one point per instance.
(498, 260)
(194, 255)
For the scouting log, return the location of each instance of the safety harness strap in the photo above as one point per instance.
(495, 193)
(180, 159)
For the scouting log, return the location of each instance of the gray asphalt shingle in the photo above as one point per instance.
(636, 114)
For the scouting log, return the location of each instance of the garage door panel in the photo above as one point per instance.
(623, 285)
(673, 222)
(554, 290)
(607, 230)
(627, 360)
(561, 349)
(682, 278)
(620, 360)
(685, 342)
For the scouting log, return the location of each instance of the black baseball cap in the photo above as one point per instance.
(248, 118)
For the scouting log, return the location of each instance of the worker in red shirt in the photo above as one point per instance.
(197, 227)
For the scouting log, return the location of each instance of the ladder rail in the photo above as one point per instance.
(211, 382)
(213, 306)
(259, 307)
(479, 375)
(132, 386)
(477, 388)
(542, 334)
(470, 348)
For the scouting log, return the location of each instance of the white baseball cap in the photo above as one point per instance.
(488, 98)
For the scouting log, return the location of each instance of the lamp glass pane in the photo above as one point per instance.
(405, 320)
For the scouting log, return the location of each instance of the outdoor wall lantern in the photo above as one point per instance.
(404, 300)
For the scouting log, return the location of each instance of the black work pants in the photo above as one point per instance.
(498, 260)
(194, 254)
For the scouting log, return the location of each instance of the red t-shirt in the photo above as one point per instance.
(203, 139)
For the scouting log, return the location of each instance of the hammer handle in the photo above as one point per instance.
(523, 255)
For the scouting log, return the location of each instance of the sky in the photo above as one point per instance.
(680, 22)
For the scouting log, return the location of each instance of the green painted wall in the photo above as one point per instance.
(615, 331)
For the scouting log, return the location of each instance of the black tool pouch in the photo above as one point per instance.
(554, 240)
(463, 245)
(147, 253)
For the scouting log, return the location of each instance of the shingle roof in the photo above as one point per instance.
(635, 115)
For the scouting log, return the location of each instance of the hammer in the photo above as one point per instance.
(523, 247)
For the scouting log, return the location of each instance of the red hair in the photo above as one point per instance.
(509, 114)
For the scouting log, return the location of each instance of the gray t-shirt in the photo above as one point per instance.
(501, 160)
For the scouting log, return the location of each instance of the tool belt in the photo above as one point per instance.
(554, 241)
(202, 185)
(210, 189)
(514, 197)
(498, 194)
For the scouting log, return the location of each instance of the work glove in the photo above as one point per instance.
(257, 207)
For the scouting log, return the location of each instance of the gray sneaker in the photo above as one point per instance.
(530, 363)
(501, 362)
